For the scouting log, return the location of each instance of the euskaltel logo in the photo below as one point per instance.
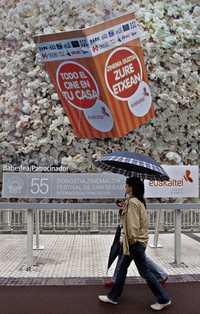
(188, 176)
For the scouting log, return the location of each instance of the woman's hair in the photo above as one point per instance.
(137, 188)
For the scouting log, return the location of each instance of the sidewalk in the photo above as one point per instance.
(78, 259)
(136, 299)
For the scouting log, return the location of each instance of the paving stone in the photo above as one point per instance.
(83, 259)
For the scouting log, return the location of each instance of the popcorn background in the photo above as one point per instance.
(34, 128)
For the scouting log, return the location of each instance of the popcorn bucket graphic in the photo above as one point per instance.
(100, 77)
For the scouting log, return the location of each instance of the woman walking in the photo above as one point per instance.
(134, 240)
(157, 270)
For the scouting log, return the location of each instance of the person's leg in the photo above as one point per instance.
(118, 286)
(158, 271)
(117, 267)
(109, 283)
(138, 254)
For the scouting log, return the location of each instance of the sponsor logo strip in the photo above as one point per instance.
(92, 45)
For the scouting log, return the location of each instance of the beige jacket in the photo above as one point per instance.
(135, 223)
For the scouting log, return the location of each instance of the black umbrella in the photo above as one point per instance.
(115, 247)
(132, 165)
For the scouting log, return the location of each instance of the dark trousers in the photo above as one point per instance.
(137, 253)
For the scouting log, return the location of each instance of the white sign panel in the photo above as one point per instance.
(62, 185)
(184, 182)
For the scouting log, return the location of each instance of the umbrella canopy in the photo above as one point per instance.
(132, 165)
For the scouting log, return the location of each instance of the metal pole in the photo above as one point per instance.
(157, 228)
(177, 237)
(29, 239)
(7, 220)
(94, 222)
(37, 245)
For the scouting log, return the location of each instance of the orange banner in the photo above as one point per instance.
(100, 77)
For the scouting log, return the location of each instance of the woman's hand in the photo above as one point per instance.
(120, 203)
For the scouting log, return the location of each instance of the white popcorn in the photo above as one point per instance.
(33, 120)
(172, 156)
(54, 96)
(68, 161)
(26, 107)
